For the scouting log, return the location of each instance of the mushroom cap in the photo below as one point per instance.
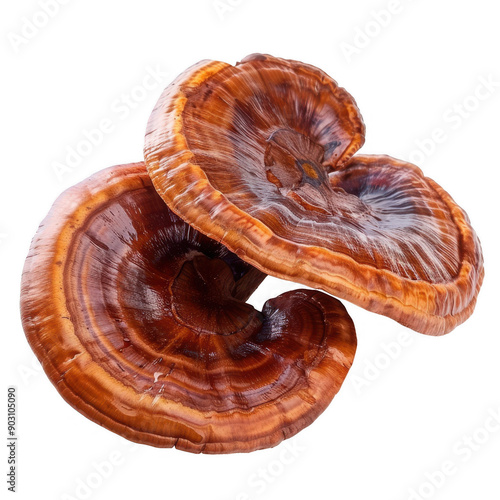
(140, 323)
(258, 156)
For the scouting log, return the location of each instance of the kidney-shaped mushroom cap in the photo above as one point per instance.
(140, 323)
(257, 156)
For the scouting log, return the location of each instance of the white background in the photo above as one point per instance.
(397, 419)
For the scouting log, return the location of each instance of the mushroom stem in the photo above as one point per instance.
(204, 297)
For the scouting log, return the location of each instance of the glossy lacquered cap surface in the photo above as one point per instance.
(141, 324)
(259, 156)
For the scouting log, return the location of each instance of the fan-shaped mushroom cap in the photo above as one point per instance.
(140, 323)
(257, 156)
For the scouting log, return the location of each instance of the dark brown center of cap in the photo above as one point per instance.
(204, 298)
(293, 163)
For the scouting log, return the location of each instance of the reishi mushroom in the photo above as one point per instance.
(259, 156)
(135, 287)
(141, 324)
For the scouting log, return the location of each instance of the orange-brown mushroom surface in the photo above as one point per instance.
(141, 324)
(259, 157)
